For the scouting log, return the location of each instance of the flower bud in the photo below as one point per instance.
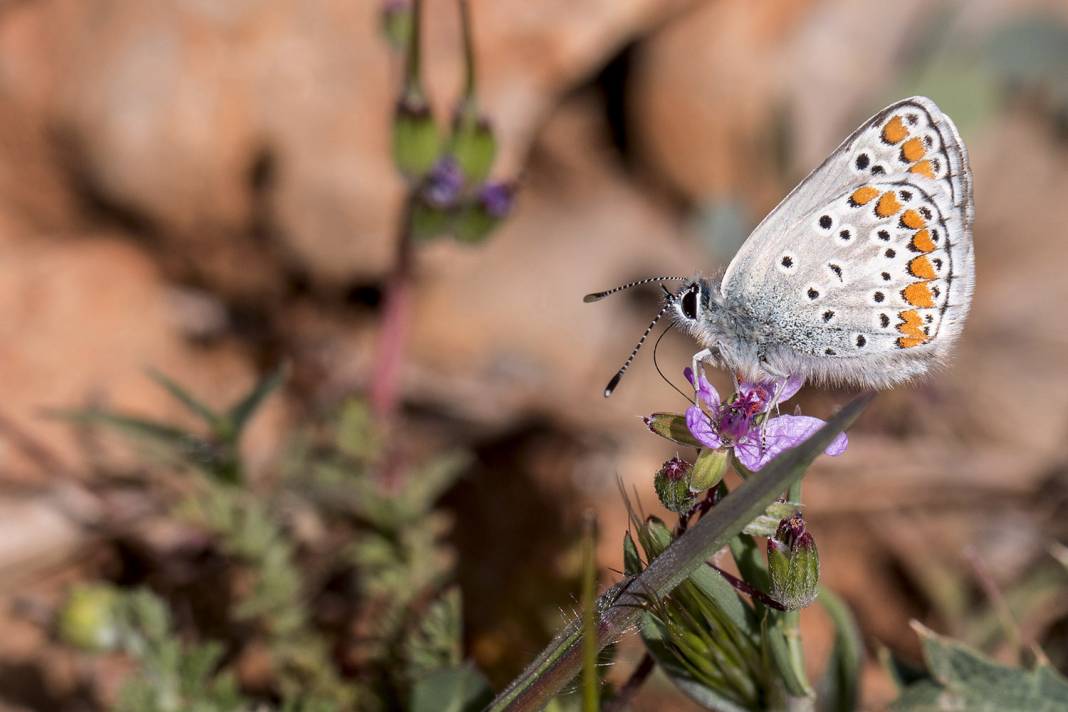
(473, 144)
(672, 484)
(793, 564)
(416, 140)
(87, 619)
(654, 537)
(671, 426)
(477, 219)
(397, 23)
(709, 469)
(632, 563)
(443, 184)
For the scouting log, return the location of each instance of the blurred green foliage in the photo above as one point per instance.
(405, 633)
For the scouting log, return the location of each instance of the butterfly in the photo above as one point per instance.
(863, 275)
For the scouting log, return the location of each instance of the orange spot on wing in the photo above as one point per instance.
(912, 327)
(911, 219)
(918, 294)
(922, 242)
(894, 130)
(907, 342)
(863, 196)
(911, 323)
(913, 149)
(924, 168)
(921, 267)
(887, 205)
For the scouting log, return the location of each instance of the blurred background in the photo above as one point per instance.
(206, 188)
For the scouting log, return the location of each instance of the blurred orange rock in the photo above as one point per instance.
(202, 123)
(740, 99)
(83, 318)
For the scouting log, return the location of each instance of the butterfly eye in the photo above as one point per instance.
(689, 304)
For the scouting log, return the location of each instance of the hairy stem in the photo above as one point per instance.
(622, 605)
(396, 318)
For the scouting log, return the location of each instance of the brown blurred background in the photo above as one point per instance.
(206, 188)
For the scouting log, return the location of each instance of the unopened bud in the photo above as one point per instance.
(416, 140)
(708, 470)
(671, 426)
(87, 619)
(397, 22)
(654, 537)
(473, 144)
(672, 484)
(477, 219)
(793, 564)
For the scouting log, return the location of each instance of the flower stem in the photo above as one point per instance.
(622, 604)
(792, 619)
(751, 591)
(469, 52)
(396, 318)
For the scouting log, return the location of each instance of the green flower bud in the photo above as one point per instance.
(632, 563)
(430, 221)
(416, 139)
(672, 484)
(793, 564)
(479, 217)
(654, 537)
(397, 23)
(473, 145)
(671, 426)
(87, 619)
(709, 469)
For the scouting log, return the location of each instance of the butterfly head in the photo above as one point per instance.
(690, 301)
(695, 305)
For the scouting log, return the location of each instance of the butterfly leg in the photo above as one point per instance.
(773, 404)
(702, 356)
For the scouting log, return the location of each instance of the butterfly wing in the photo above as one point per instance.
(867, 265)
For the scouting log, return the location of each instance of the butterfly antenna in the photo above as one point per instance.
(626, 364)
(597, 296)
(667, 380)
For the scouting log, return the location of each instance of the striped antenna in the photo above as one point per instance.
(597, 296)
(626, 364)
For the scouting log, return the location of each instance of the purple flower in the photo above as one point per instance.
(444, 183)
(496, 198)
(736, 424)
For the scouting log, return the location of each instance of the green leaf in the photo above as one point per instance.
(159, 433)
(970, 681)
(726, 599)
(775, 641)
(656, 642)
(243, 410)
(557, 665)
(185, 398)
(654, 536)
(840, 687)
(458, 689)
(436, 641)
(768, 523)
(632, 562)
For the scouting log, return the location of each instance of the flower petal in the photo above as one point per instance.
(763, 392)
(705, 390)
(783, 433)
(701, 427)
(789, 387)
